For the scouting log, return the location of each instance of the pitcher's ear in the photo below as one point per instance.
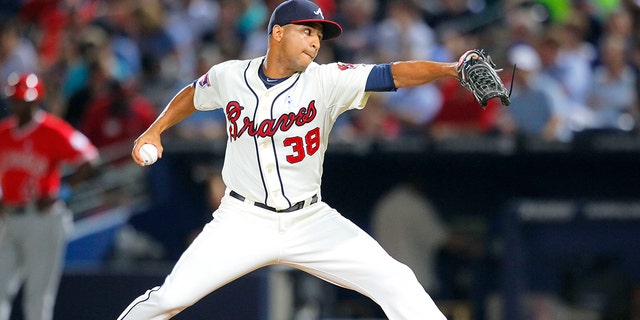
(277, 32)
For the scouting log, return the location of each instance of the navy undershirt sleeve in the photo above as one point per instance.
(380, 79)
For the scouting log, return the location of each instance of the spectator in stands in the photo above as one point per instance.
(155, 84)
(17, 55)
(524, 24)
(114, 119)
(374, 124)
(410, 228)
(49, 19)
(186, 23)
(444, 13)
(253, 17)
(208, 125)
(359, 38)
(227, 34)
(583, 14)
(255, 43)
(460, 115)
(533, 112)
(559, 77)
(575, 56)
(95, 63)
(613, 96)
(154, 41)
(122, 26)
(415, 107)
(620, 23)
(403, 35)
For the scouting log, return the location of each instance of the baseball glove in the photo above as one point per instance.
(478, 73)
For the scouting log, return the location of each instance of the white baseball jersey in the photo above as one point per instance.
(286, 126)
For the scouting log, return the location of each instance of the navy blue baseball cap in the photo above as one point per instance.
(303, 11)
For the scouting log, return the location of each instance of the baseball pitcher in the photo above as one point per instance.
(279, 110)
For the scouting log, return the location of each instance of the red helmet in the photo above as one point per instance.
(25, 87)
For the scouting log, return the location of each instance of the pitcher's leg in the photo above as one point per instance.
(353, 259)
(228, 247)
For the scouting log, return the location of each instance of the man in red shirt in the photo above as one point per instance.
(114, 119)
(460, 114)
(34, 222)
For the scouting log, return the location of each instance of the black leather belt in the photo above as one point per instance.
(296, 206)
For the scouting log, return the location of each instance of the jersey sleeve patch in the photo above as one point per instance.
(345, 66)
(204, 81)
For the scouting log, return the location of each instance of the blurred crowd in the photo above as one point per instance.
(111, 66)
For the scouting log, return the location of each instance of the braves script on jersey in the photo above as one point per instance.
(286, 127)
(31, 157)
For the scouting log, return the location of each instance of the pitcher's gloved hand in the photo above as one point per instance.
(478, 73)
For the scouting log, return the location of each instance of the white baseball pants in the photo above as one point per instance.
(317, 239)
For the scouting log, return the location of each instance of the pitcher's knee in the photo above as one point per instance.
(400, 275)
(159, 302)
(172, 303)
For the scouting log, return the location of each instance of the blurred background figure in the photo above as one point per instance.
(92, 65)
(407, 223)
(404, 35)
(17, 54)
(585, 15)
(410, 228)
(375, 123)
(187, 22)
(203, 125)
(573, 59)
(415, 108)
(359, 40)
(559, 77)
(460, 115)
(255, 42)
(534, 110)
(114, 119)
(613, 96)
(34, 220)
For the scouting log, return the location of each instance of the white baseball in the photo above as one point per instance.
(148, 153)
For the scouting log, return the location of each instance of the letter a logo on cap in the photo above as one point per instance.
(301, 12)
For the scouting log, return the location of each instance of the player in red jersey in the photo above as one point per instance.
(34, 222)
